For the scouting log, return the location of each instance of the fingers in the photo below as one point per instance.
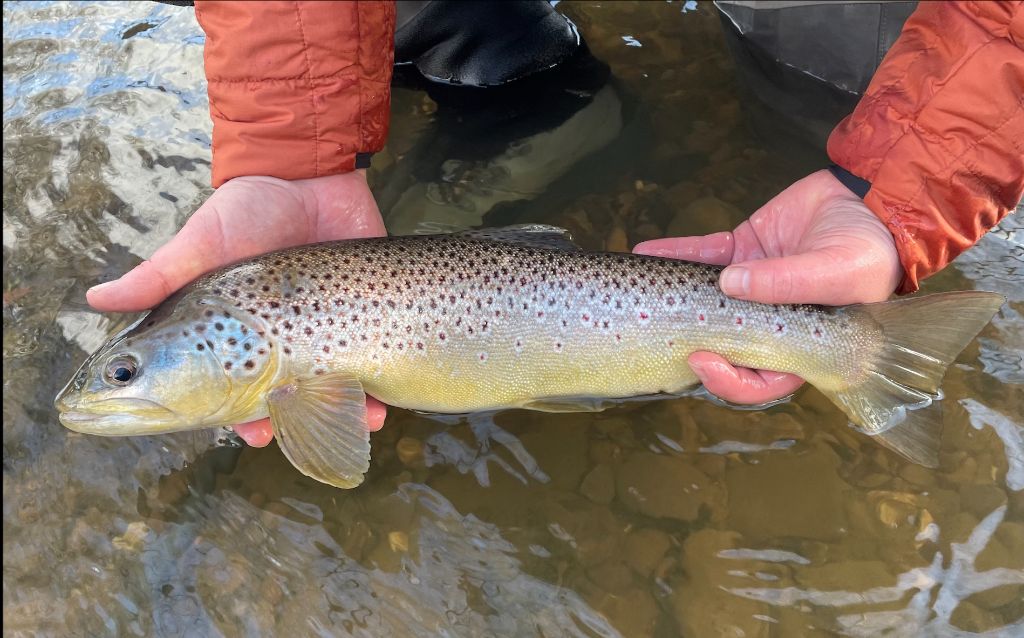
(741, 385)
(208, 240)
(255, 433)
(198, 247)
(375, 413)
(245, 217)
(716, 248)
(140, 288)
(815, 277)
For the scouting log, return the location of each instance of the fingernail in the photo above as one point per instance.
(699, 369)
(99, 287)
(735, 281)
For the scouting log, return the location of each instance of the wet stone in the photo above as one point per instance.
(134, 537)
(604, 451)
(980, 500)
(665, 487)
(599, 485)
(399, 541)
(644, 549)
(613, 576)
(997, 597)
(702, 604)
(917, 475)
(703, 215)
(616, 241)
(410, 452)
(789, 495)
(970, 617)
(848, 575)
(633, 612)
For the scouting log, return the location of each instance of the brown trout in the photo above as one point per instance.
(516, 317)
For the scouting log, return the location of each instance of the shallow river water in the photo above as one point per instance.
(673, 518)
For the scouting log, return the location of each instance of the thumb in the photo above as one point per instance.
(816, 277)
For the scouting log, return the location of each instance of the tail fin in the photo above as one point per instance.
(923, 335)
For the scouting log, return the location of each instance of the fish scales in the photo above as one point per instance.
(483, 320)
(453, 323)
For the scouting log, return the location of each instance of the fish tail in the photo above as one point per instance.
(922, 336)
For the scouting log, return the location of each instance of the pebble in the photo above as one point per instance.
(917, 474)
(616, 241)
(980, 499)
(399, 541)
(701, 602)
(410, 452)
(845, 575)
(599, 484)
(634, 611)
(644, 549)
(703, 215)
(134, 537)
(665, 486)
(789, 495)
(970, 617)
(612, 575)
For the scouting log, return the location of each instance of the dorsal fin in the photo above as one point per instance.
(535, 235)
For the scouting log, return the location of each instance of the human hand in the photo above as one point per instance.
(815, 242)
(249, 216)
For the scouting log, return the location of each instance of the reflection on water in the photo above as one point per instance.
(669, 518)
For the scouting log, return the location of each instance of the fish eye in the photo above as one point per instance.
(121, 371)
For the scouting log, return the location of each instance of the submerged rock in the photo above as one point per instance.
(702, 603)
(599, 484)
(644, 549)
(704, 215)
(798, 495)
(665, 486)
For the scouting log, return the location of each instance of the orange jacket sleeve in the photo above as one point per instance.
(939, 133)
(297, 89)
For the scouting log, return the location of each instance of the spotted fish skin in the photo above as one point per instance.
(466, 322)
(482, 320)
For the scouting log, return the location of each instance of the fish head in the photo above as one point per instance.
(190, 363)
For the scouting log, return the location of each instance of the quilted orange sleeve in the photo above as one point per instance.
(297, 89)
(939, 133)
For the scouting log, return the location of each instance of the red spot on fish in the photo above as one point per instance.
(644, 316)
(700, 317)
(739, 321)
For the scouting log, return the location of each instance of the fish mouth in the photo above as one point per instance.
(119, 418)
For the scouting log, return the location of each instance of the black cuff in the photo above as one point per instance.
(363, 160)
(857, 186)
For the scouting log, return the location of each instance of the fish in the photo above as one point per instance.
(491, 319)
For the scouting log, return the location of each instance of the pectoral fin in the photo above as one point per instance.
(320, 424)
